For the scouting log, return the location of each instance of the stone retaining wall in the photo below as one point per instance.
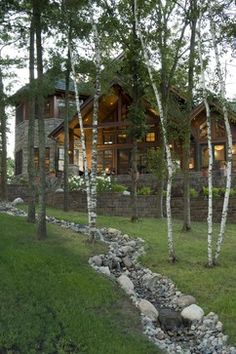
(120, 205)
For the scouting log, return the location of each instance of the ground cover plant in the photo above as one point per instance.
(214, 289)
(52, 301)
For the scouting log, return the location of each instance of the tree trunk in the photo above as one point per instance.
(134, 177)
(170, 168)
(82, 138)
(41, 230)
(93, 185)
(210, 152)
(66, 128)
(3, 131)
(31, 128)
(229, 142)
(186, 155)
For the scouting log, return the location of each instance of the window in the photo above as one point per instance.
(61, 159)
(18, 162)
(121, 137)
(47, 108)
(105, 161)
(218, 156)
(19, 114)
(47, 158)
(108, 137)
(150, 137)
(61, 107)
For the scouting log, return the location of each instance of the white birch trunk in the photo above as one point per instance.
(170, 167)
(210, 152)
(93, 182)
(229, 142)
(82, 136)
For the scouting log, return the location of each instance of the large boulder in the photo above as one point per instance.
(104, 270)
(147, 309)
(127, 262)
(192, 313)
(126, 284)
(185, 300)
(170, 320)
(17, 201)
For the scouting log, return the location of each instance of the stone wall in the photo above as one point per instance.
(21, 140)
(120, 205)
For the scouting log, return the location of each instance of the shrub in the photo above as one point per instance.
(144, 191)
(193, 193)
(216, 192)
(76, 183)
(115, 187)
(103, 183)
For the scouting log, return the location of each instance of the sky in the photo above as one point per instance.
(23, 74)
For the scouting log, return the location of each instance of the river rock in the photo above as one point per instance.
(126, 284)
(170, 320)
(185, 300)
(104, 270)
(127, 262)
(192, 313)
(148, 309)
(17, 201)
(96, 260)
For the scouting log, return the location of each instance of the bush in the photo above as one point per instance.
(115, 187)
(193, 193)
(144, 191)
(104, 183)
(216, 192)
(76, 183)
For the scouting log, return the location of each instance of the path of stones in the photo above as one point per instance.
(170, 319)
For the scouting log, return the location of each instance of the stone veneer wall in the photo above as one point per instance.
(21, 140)
(120, 205)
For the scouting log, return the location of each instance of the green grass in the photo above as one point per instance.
(51, 300)
(214, 289)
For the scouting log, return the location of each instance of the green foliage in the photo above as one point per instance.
(156, 163)
(52, 301)
(76, 183)
(116, 187)
(216, 192)
(193, 193)
(103, 183)
(144, 190)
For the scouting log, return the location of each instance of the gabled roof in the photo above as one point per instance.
(201, 107)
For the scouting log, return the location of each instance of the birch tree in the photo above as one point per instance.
(170, 166)
(93, 179)
(219, 74)
(210, 150)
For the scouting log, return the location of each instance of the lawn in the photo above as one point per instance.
(214, 289)
(52, 301)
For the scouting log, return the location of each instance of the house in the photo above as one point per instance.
(114, 144)
(54, 114)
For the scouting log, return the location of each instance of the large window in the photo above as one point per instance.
(62, 110)
(218, 156)
(108, 136)
(105, 161)
(18, 162)
(47, 158)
